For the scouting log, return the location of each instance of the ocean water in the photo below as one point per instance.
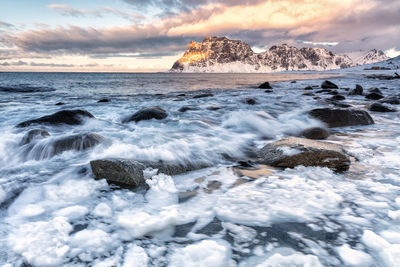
(53, 213)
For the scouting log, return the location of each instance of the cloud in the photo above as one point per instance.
(5, 25)
(34, 64)
(67, 10)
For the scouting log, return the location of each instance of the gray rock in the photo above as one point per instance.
(293, 151)
(130, 172)
(378, 107)
(357, 91)
(157, 113)
(316, 133)
(76, 142)
(34, 134)
(329, 85)
(342, 117)
(394, 100)
(69, 117)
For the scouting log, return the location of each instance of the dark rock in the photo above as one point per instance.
(203, 95)
(375, 90)
(104, 100)
(394, 100)
(293, 82)
(250, 101)
(180, 95)
(186, 108)
(308, 88)
(323, 91)
(378, 107)
(316, 133)
(308, 94)
(342, 117)
(293, 151)
(157, 113)
(130, 172)
(268, 91)
(60, 103)
(334, 92)
(357, 91)
(265, 85)
(338, 97)
(213, 108)
(78, 142)
(70, 117)
(374, 96)
(340, 105)
(34, 134)
(329, 85)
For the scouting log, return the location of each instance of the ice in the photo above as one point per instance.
(135, 257)
(353, 257)
(203, 254)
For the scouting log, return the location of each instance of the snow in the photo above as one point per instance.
(203, 254)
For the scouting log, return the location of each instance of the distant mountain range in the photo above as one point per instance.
(220, 54)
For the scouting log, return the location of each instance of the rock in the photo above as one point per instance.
(338, 97)
(333, 92)
(357, 91)
(308, 94)
(203, 95)
(130, 172)
(69, 117)
(378, 107)
(34, 134)
(265, 85)
(324, 91)
(374, 96)
(316, 133)
(157, 113)
(394, 100)
(60, 103)
(293, 82)
(342, 117)
(375, 90)
(268, 91)
(340, 105)
(308, 88)
(293, 151)
(213, 108)
(76, 142)
(186, 108)
(180, 95)
(104, 100)
(250, 101)
(329, 85)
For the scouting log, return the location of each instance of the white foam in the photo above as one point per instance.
(135, 256)
(73, 212)
(353, 257)
(102, 210)
(295, 259)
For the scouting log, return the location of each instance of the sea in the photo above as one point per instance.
(234, 212)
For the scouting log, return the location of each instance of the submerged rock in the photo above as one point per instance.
(203, 95)
(250, 101)
(130, 172)
(293, 151)
(378, 107)
(394, 100)
(157, 113)
(375, 90)
(337, 97)
(316, 133)
(357, 91)
(265, 85)
(342, 117)
(186, 108)
(374, 96)
(34, 134)
(213, 108)
(69, 117)
(104, 100)
(329, 85)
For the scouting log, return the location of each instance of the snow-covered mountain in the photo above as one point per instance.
(372, 56)
(220, 54)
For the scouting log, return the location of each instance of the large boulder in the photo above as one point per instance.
(157, 113)
(329, 85)
(70, 117)
(265, 85)
(130, 172)
(316, 133)
(34, 135)
(342, 117)
(293, 151)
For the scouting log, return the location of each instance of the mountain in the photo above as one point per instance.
(220, 54)
(372, 56)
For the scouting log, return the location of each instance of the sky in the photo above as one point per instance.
(150, 35)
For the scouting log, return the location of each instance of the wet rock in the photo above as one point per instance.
(60, 103)
(293, 82)
(308, 94)
(265, 85)
(250, 101)
(308, 88)
(180, 95)
(69, 117)
(357, 91)
(293, 151)
(104, 100)
(342, 117)
(334, 92)
(394, 100)
(213, 108)
(186, 108)
(76, 142)
(212, 186)
(34, 134)
(316, 133)
(268, 91)
(130, 172)
(203, 95)
(338, 97)
(375, 90)
(340, 105)
(329, 85)
(323, 91)
(374, 96)
(378, 107)
(157, 113)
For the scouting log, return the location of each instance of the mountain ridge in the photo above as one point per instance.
(220, 54)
